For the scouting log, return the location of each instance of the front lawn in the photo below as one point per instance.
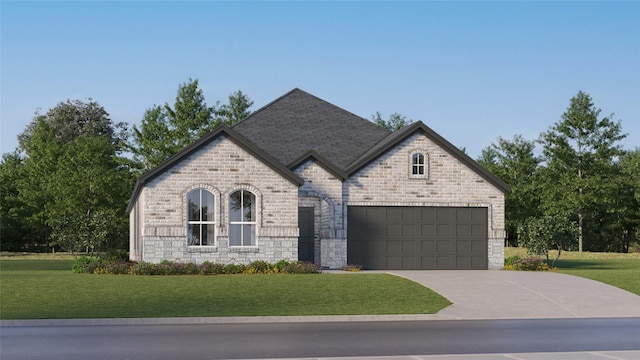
(621, 273)
(616, 269)
(47, 289)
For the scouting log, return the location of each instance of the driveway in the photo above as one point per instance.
(496, 294)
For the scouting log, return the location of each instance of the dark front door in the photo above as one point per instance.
(305, 241)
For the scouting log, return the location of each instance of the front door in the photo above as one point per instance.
(305, 241)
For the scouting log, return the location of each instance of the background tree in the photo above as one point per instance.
(74, 169)
(515, 163)
(15, 232)
(618, 220)
(579, 153)
(235, 110)
(166, 130)
(394, 123)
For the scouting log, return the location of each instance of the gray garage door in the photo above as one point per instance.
(413, 238)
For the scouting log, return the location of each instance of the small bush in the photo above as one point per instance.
(530, 263)
(351, 268)
(234, 268)
(511, 260)
(166, 267)
(259, 267)
(281, 265)
(209, 268)
(301, 267)
(144, 268)
(85, 264)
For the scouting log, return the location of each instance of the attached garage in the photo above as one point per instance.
(417, 238)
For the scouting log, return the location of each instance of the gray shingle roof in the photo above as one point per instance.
(298, 122)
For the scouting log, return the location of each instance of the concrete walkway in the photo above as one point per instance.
(525, 295)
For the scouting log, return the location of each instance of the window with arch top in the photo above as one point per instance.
(242, 218)
(200, 218)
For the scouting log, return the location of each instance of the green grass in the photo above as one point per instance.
(616, 269)
(47, 289)
(621, 273)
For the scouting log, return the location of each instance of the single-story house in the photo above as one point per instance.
(302, 179)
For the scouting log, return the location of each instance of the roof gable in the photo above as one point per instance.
(324, 163)
(397, 137)
(298, 122)
(222, 130)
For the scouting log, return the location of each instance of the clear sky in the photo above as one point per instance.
(472, 71)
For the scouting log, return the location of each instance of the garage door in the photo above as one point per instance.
(412, 238)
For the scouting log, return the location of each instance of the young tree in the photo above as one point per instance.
(579, 152)
(514, 162)
(543, 233)
(394, 123)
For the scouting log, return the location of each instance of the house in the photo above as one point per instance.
(301, 179)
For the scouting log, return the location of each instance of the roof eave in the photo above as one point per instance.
(321, 160)
(409, 130)
(233, 136)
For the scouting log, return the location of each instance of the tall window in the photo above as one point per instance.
(242, 218)
(200, 218)
(417, 164)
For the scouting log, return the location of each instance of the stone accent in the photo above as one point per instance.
(323, 191)
(271, 249)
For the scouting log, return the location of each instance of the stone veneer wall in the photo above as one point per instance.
(221, 167)
(387, 181)
(323, 191)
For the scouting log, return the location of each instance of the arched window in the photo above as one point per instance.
(417, 164)
(242, 218)
(200, 218)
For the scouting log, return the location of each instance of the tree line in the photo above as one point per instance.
(67, 184)
(582, 192)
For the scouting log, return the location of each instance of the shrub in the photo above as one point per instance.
(166, 267)
(351, 268)
(511, 260)
(302, 267)
(234, 268)
(281, 265)
(530, 263)
(144, 268)
(209, 268)
(85, 264)
(259, 267)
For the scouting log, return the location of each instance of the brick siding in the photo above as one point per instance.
(221, 167)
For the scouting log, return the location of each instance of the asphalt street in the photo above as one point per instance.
(318, 340)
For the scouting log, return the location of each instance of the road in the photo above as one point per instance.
(289, 340)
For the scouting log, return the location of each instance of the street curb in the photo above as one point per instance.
(221, 320)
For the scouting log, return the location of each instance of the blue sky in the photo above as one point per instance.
(472, 71)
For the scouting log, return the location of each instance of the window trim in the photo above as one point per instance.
(242, 223)
(414, 158)
(212, 222)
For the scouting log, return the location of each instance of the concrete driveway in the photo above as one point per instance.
(496, 294)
